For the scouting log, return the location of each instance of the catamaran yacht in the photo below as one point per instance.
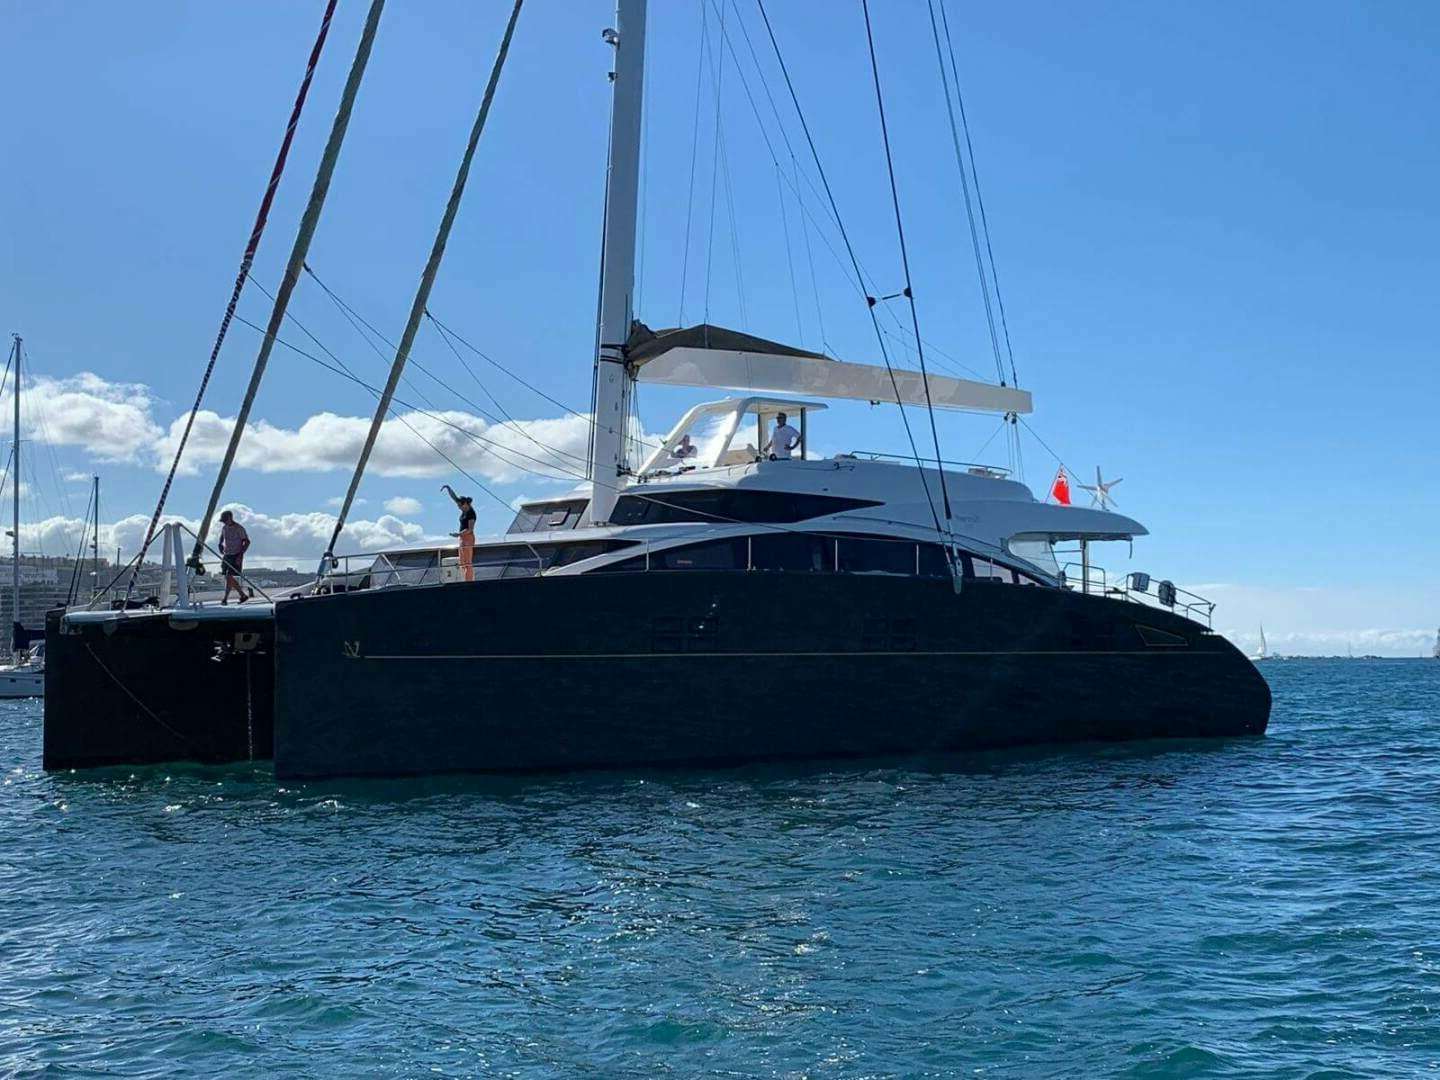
(705, 602)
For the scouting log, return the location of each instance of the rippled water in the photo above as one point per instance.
(1267, 906)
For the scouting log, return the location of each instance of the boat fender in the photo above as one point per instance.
(1165, 593)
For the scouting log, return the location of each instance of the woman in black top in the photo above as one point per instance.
(466, 533)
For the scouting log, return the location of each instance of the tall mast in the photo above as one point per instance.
(15, 487)
(617, 265)
(95, 544)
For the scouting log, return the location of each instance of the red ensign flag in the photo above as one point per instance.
(1060, 490)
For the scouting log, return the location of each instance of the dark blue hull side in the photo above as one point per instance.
(153, 688)
(695, 667)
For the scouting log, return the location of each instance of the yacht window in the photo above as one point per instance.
(566, 554)
(932, 562)
(728, 504)
(519, 560)
(984, 569)
(876, 556)
(803, 552)
(727, 554)
(406, 568)
(624, 566)
(548, 516)
(1039, 552)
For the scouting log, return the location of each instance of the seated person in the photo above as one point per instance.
(685, 449)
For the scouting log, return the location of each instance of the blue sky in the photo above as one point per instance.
(1215, 228)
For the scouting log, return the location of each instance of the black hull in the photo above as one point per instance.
(149, 689)
(693, 667)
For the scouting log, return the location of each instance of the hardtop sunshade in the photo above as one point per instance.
(712, 356)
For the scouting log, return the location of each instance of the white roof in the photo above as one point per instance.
(779, 373)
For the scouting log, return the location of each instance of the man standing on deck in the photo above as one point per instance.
(234, 542)
(783, 440)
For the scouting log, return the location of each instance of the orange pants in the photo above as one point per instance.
(467, 554)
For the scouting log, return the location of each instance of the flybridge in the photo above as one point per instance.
(712, 356)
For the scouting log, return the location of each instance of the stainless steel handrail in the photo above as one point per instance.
(881, 455)
(1191, 605)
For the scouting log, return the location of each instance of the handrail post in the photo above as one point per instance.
(182, 578)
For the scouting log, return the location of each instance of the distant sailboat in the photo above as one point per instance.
(1435, 652)
(1264, 653)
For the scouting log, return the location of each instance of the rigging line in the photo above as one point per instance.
(734, 231)
(719, 79)
(986, 444)
(427, 277)
(859, 286)
(508, 419)
(494, 448)
(904, 256)
(248, 258)
(860, 282)
(79, 556)
(326, 349)
(506, 371)
(814, 284)
(38, 418)
(344, 369)
(346, 373)
(789, 257)
(979, 197)
(694, 150)
(1046, 445)
(855, 261)
(969, 208)
(354, 315)
(774, 110)
(303, 236)
(435, 408)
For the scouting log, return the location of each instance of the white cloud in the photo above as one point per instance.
(278, 540)
(403, 504)
(406, 446)
(116, 422)
(112, 421)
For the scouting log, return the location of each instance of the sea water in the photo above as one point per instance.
(1255, 907)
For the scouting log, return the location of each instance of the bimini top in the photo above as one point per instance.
(712, 356)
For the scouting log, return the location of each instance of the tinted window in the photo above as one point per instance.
(933, 562)
(624, 566)
(859, 556)
(712, 555)
(547, 517)
(666, 507)
(566, 554)
(515, 560)
(983, 568)
(792, 551)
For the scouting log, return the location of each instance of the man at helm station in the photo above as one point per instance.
(783, 439)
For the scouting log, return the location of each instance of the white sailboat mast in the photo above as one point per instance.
(617, 266)
(15, 486)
